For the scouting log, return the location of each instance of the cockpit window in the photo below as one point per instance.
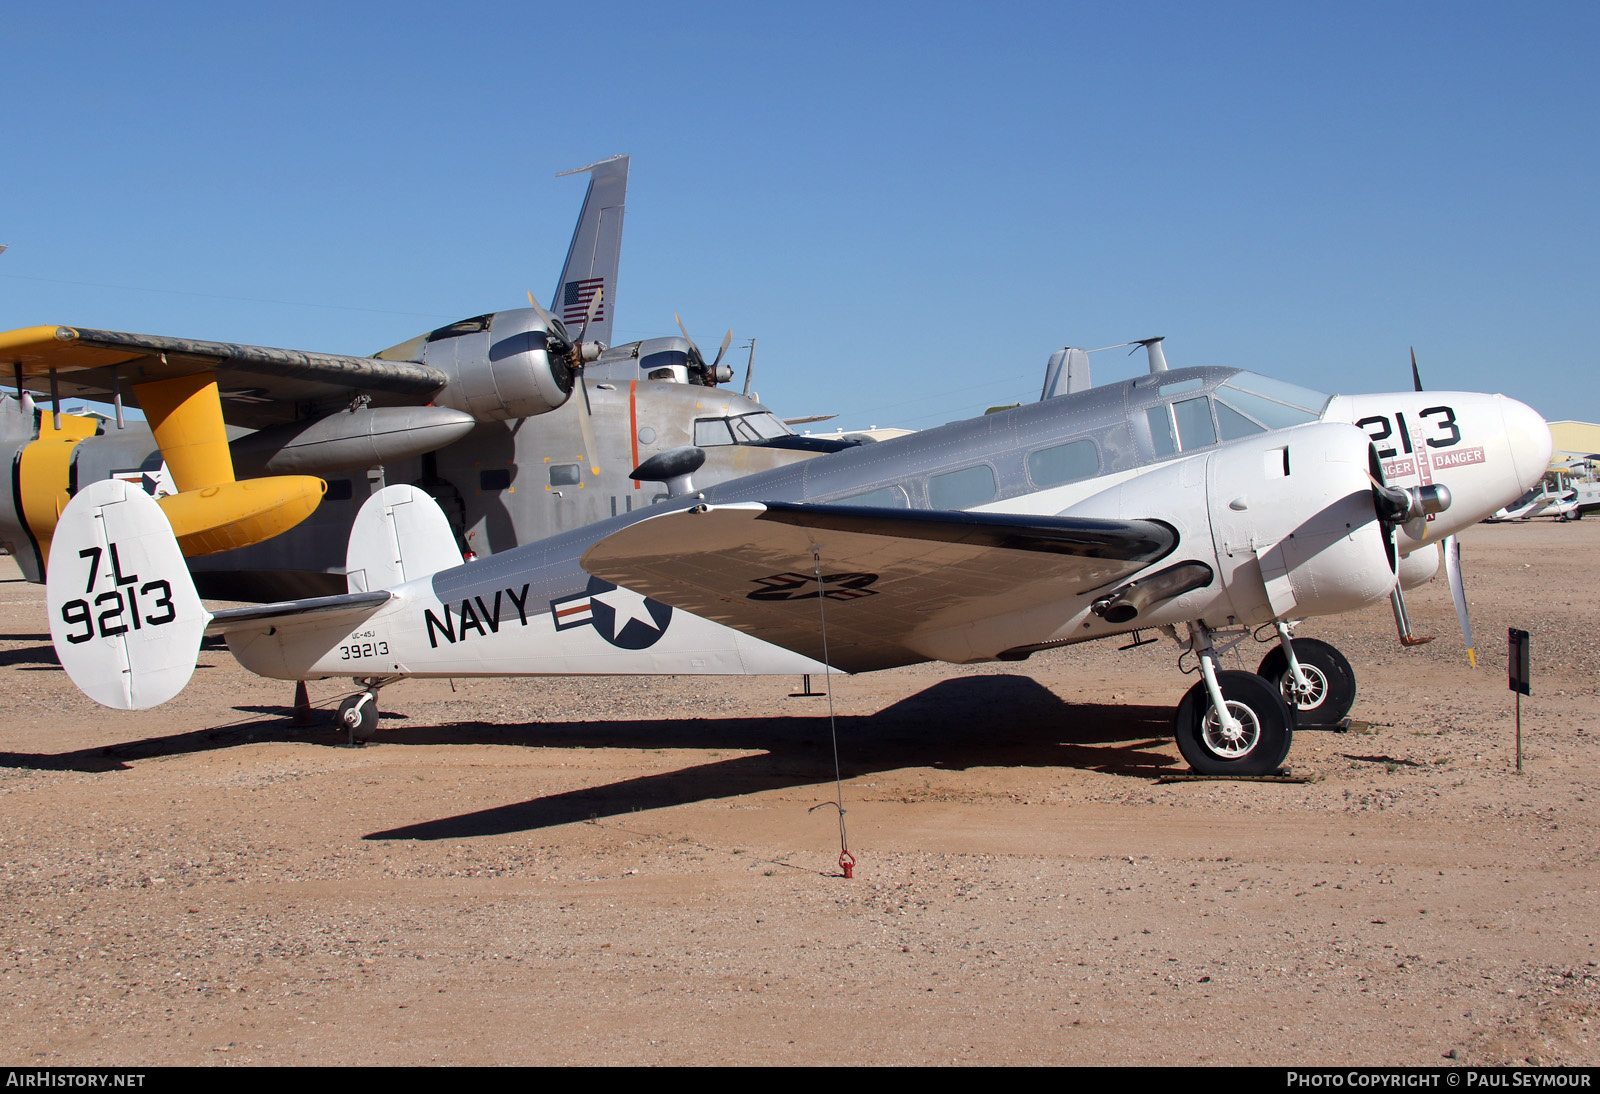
(1235, 425)
(465, 326)
(745, 429)
(710, 432)
(759, 427)
(1194, 423)
(1273, 403)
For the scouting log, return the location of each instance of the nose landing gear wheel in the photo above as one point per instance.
(1333, 682)
(359, 715)
(1257, 746)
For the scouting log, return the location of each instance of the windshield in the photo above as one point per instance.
(1273, 403)
(745, 429)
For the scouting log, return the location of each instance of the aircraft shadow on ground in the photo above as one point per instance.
(977, 721)
(980, 721)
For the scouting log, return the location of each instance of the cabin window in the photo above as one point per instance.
(498, 478)
(563, 474)
(887, 497)
(962, 489)
(1195, 429)
(1063, 463)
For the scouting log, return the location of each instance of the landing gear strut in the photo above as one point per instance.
(1316, 680)
(1231, 723)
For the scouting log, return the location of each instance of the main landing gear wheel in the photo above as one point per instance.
(1333, 682)
(359, 715)
(1260, 744)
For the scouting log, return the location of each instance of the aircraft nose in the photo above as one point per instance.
(1529, 438)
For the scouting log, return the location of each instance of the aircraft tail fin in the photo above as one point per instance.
(596, 250)
(400, 534)
(124, 615)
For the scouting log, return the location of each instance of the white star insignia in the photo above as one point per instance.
(628, 606)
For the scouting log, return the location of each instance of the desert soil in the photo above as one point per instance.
(635, 871)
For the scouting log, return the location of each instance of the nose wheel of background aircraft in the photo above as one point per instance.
(359, 715)
(1253, 740)
(1330, 689)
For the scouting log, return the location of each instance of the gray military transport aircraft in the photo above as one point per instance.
(1210, 499)
(519, 423)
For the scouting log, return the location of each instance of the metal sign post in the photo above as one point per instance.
(1518, 642)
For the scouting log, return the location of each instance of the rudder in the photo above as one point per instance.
(124, 615)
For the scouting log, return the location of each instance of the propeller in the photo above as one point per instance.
(712, 374)
(1452, 557)
(575, 354)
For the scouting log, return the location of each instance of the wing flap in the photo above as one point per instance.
(891, 578)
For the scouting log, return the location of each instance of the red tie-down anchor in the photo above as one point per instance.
(847, 861)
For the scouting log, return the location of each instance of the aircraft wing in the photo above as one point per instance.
(888, 575)
(260, 385)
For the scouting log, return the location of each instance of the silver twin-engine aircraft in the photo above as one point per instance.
(1209, 499)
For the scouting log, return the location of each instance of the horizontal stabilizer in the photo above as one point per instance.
(344, 609)
(892, 578)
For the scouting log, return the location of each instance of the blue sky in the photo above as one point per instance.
(909, 206)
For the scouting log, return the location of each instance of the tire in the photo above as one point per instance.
(1268, 727)
(1333, 681)
(366, 724)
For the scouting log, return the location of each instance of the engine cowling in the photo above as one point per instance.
(1295, 527)
(1286, 521)
(501, 367)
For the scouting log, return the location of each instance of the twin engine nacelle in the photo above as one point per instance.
(501, 367)
(1286, 523)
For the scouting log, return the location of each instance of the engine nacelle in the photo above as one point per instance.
(1286, 521)
(500, 366)
(1295, 526)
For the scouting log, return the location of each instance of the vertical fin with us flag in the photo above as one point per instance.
(596, 250)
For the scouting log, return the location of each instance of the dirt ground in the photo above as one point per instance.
(630, 871)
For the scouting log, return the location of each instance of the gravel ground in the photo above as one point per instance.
(614, 870)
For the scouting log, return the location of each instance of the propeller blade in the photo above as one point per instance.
(1458, 593)
(594, 307)
(694, 350)
(1416, 377)
(551, 323)
(727, 339)
(586, 424)
(549, 320)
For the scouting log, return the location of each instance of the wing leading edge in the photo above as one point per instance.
(892, 578)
